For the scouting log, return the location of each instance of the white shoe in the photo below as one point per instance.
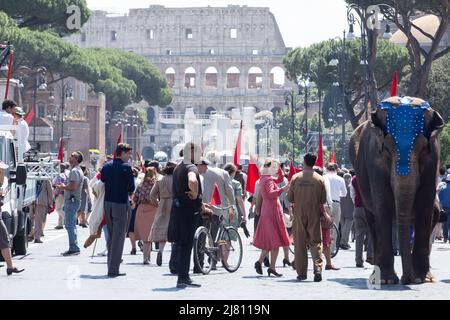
(104, 253)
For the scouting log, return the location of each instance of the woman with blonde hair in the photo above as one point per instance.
(146, 211)
(271, 233)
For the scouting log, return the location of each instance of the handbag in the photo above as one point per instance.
(251, 213)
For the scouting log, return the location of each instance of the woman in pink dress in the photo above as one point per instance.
(146, 211)
(271, 233)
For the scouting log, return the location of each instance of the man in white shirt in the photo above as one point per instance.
(23, 131)
(338, 190)
(6, 117)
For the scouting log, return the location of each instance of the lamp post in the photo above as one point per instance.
(341, 64)
(290, 98)
(367, 19)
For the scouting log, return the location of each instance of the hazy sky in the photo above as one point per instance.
(302, 22)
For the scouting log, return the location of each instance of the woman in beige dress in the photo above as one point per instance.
(161, 196)
(146, 212)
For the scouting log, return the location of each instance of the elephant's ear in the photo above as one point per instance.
(379, 118)
(435, 125)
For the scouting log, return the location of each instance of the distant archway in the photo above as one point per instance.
(170, 77)
(255, 78)
(233, 75)
(211, 77)
(190, 78)
(150, 116)
(210, 110)
(277, 78)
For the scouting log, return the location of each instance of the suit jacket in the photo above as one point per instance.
(223, 180)
(45, 196)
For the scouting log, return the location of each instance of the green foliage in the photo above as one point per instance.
(44, 14)
(283, 121)
(439, 86)
(142, 113)
(445, 145)
(123, 77)
(313, 63)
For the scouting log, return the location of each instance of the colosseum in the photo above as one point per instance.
(215, 59)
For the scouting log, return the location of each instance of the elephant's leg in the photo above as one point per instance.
(381, 236)
(422, 234)
(405, 251)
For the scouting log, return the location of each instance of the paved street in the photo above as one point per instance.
(51, 276)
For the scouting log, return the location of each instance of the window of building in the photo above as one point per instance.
(211, 77)
(150, 116)
(169, 52)
(255, 79)
(233, 75)
(211, 51)
(189, 34)
(113, 35)
(277, 78)
(189, 78)
(152, 139)
(41, 110)
(82, 92)
(255, 52)
(233, 33)
(150, 34)
(83, 36)
(170, 77)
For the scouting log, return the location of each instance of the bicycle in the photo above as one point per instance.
(227, 246)
(338, 240)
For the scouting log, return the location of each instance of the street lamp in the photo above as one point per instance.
(290, 97)
(341, 64)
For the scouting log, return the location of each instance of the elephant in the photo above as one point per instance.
(395, 155)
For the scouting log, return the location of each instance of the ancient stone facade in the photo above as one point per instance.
(214, 59)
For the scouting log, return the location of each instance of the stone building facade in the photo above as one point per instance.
(215, 59)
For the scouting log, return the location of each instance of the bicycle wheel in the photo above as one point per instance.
(337, 240)
(230, 247)
(203, 250)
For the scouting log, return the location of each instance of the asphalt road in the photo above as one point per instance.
(48, 275)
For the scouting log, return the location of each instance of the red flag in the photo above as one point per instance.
(319, 162)
(30, 116)
(215, 199)
(332, 157)
(252, 176)
(119, 140)
(394, 85)
(292, 171)
(60, 151)
(237, 150)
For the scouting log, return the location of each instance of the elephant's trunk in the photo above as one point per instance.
(405, 191)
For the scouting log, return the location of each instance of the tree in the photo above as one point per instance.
(44, 14)
(312, 63)
(123, 77)
(401, 13)
(445, 145)
(439, 86)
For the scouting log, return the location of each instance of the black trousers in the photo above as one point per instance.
(181, 254)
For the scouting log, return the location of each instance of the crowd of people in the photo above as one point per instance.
(152, 206)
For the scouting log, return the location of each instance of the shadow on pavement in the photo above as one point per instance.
(361, 284)
(90, 277)
(445, 281)
(174, 289)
